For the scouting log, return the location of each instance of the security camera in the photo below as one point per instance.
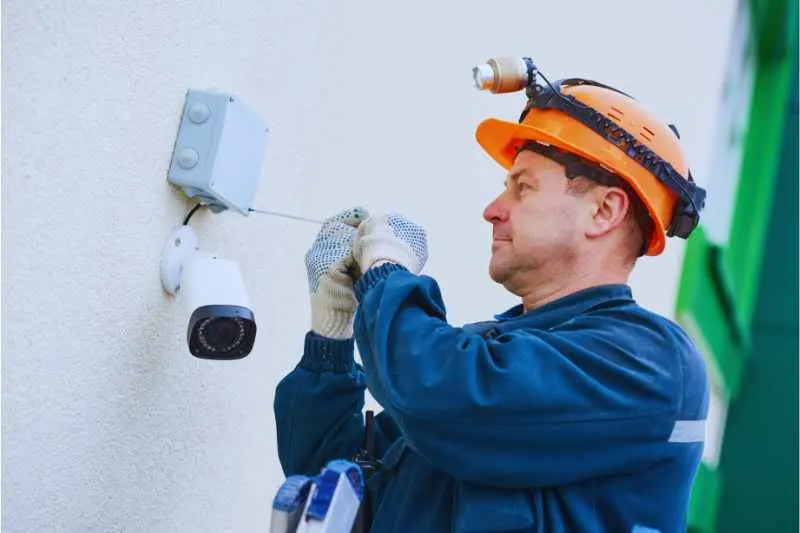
(221, 323)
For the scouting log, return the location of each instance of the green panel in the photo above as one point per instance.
(775, 24)
(703, 505)
(723, 307)
(777, 309)
(759, 458)
(741, 260)
(701, 310)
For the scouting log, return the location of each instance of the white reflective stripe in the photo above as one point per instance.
(688, 431)
(642, 529)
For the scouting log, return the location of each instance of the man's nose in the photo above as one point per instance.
(496, 211)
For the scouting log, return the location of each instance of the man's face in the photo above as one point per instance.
(535, 222)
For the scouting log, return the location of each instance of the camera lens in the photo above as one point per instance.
(221, 333)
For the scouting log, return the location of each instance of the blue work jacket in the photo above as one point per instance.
(584, 415)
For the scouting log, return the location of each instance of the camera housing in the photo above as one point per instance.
(221, 323)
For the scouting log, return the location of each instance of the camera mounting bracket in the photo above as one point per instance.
(181, 245)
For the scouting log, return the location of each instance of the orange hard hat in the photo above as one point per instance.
(607, 128)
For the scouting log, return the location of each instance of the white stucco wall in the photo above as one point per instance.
(108, 423)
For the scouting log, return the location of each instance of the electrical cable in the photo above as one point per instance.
(293, 217)
(262, 211)
(192, 212)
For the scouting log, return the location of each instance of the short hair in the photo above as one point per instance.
(636, 211)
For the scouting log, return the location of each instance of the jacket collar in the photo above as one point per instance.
(568, 306)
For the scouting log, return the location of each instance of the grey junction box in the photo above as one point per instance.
(218, 151)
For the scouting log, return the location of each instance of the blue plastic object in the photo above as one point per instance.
(327, 483)
(292, 493)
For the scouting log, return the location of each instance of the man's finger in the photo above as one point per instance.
(335, 232)
(352, 217)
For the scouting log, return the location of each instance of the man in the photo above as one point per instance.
(576, 411)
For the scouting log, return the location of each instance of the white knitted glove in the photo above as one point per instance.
(328, 263)
(390, 238)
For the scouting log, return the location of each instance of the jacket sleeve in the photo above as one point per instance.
(318, 409)
(528, 408)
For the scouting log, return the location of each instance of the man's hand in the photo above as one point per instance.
(390, 238)
(328, 264)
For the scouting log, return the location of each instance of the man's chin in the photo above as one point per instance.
(498, 272)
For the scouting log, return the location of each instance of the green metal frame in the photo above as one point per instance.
(718, 286)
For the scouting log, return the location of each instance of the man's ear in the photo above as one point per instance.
(608, 207)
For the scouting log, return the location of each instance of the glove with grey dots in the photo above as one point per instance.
(390, 238)
(329, 264)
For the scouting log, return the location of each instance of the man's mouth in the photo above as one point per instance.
(498, 242)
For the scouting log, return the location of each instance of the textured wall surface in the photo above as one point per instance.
(108, 423)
